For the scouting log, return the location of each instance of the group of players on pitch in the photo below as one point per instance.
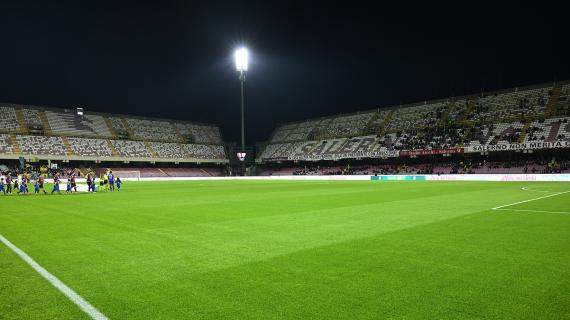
(19, 185)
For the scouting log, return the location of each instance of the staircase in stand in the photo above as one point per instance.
(150, 149)
(178, 133)
(384, 125)
(524, 130)
(68, 149)
(553, 101)
(128, 128)
(110, 127)
(114, 151)
(445, 115)
(15, 145)
(45, 123)
(369, 129)
(21, 119)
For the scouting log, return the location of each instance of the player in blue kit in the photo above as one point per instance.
(23, 186)
(2, 185)
(68, 188)
(118, 182)
(37, 187)
(111, 179)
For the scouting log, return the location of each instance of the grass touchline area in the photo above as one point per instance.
(292, 249)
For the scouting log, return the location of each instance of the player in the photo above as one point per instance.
(9, 183)
(106, 180)
(55, 184)
(16, 185)
(68, 187)
(111, 178)
(2, 185)
(40, 183)
(73, 183)
(23, 186)
(118, 182)
(37, 186)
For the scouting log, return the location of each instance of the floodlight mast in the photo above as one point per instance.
(241, 60)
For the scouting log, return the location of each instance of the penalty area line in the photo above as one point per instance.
(62, 287)
(529, 200)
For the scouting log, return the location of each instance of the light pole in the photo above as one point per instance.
(241, 59)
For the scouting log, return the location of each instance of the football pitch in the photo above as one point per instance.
(292, 250)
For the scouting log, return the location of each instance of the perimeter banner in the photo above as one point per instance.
(519, 146)
(422, 152)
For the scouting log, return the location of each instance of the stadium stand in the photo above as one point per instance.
(152, 130)
(168, 150)
(199, 133)
(8, 120)
(131, 149)
(68, 122)
(32, 118)
(65, 134)
(41, 145)
(6, 144)
(90, 147)
(488, 119)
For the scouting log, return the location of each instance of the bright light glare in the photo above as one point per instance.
(241, 56)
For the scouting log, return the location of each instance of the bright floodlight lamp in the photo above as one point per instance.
(241, 58)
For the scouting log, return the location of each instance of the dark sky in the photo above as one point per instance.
(174, 58)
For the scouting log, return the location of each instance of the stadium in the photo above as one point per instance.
(442, 206)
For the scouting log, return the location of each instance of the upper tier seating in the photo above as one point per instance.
(41, 145)
(416, 117)
(32, 117)
(199, 133)
(562, 107)
(8, 119)
(152, 130)
(511, 105)
(90, 147)
(68, 122)
(346, 126)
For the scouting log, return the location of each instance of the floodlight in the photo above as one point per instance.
(241, 57)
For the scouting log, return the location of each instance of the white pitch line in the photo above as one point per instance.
(532, 190)
(67, 291)
(523, 210)
(512, 204)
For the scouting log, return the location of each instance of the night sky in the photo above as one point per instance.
(173, 59)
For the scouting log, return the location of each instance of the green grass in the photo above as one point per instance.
(292, 250)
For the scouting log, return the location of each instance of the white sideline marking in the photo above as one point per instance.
(532, 190)
(561, 212)
(67, 291)
(512, 204)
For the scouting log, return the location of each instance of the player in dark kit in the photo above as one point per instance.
(9, 183)
(73, 184)
(40, 183)
(118, 182)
